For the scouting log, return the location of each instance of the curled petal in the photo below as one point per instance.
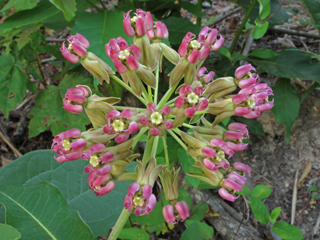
(179, 102)
(237, 147)
(106, 189)
(194, 56)
(247, 82)
(239, 98)
(113, 114)
(242, 167)
(168, 214)
(226, 195)
(265, 107)
(79, 144)
(127, 113)
(150, 34)
(108, 129)
(133, 188)
(122, 138)
(141, 27)
(210, 165)
(107, 157)
(151, 107)
(201, 71)
(121, 68)
(252, 114)
(241, 111)
(69, 56)
(144, 120)
(81, 39)
(203, 105)
(229, 183)
(133, 63)
(154, 131)
(189, 112)
(183, 49)
(198, 91)
(216, 142)
(79, 49)
(212, 36)
(133, 127)
(218, 44)
(243, 70)
(209, 77)
(127, 25)
(237, 178)
(209, 152)
(168, 124)
(183, 210)
(136, 51)
(166, 110)
(72, 108)
(147, 191)
(185, 89)
(104, 170)
(232, 135)
(204, 53)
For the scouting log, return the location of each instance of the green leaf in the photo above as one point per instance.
(186, 162)
(260, 210)
(41, 212)
(259, 30)
(261, 191)
(290, 64)
(206, 231)
(287, 231)
(133, 234)
(20, 5)
(264, 9)
(313, 7)
(100, 213)
(275, 213)
(154, 218)
(172, 150)
(178, 27)
(52, 112)
(309, 90)
(245, 192)
(192, 232)
(9, 233)
(198, 211)
(68, 7)
(115, 89)
(313, 188)
(99, 29)
(13, 82)
(192, 8)
(263, 53)
(286, 104)
(253, 125)
(36, 15)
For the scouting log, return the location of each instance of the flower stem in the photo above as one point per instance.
(165, 148)
(157, 85)
(148, 149)
(171, 101)
(155, 146)
(177, 138)
(199, 18)
(125, 214)
(187, 125)
(243, 23)
(137, 137)
(201, 112)
(146, 95)
(166, 97)
(127, 87)
(131, 108)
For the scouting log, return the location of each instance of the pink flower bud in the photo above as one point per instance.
(122, 138)
(226, 195)
(179, 102)
(166, 110)
(107, 157)
(151, 107)
(218, 44)
(242, 167)
(69, 56)
(194, 56)
(144, 120)
(203, 104)
(168, 214)
(189, 112)
(79, 49)
(133, 63)
(168, 124)
(149, 21)
(237, 147)
(243, 70)
(106, 189)
(210, 165)
(121, 68)
(127, 24)
(228, 183)
(247, 82)
(133, 127)
(209, 152)
(72, 108)
(237, 178)
(154, 131)
(183, 210)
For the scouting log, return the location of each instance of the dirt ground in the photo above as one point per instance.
(273, 162)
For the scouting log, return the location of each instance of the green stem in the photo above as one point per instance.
(243, 23)
(177, 138)
(166, 97)
(118, 80)
(169, 103)
(199, 18)
(93, 5)
(131, 108)
(102, 4)
(148, 149)
(125, 214)
(137, 137)
(165, 148)
(150, 92)
(146, 95)
(200, 112)
(155, 146)
(187, 125)
(157, 85)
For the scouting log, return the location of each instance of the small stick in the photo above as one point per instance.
(294, 198)
(224, 17)
(294, 32)
(316, 226)
(15, 151)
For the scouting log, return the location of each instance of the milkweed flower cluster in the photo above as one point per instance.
(108, 146)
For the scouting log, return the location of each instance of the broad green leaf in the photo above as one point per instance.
(100, 213)
(186, 162)
(206, 231)
(192, 8)
(245, 192)
(287, 231)
(134, 234)
(290, 64)
(24, 37)
(99, 29)
(41, 212)
(253, 126)
(154, 218)
(192, 232)
(48, 110)
(275, 213)
(178, 28)
(286, 104)
(313, 7)
(198, 211)
(13, 82)
(263, 53)
(33, 16)
(264, 9)
(20, 5)
(261, 191)
(68, 7)
(173, 147)
(259, 30)
(9, 233)
(260, 210)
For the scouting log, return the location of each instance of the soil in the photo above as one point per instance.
(273, 162)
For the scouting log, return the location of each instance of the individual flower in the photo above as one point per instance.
(237, 132)
(179, 212)
(77, 48)
(121, 125)
(75, 98)
(156, 120)
(68, 145)
(126, 59)
(210, 37)
(204, 77)
(188, 102)
(100, 181)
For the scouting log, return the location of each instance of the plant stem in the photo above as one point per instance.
(200, 112)
(150, 92)
(127, 87)
(166, 97)
(177, 138)
(187, 125)
(199, 18)
(148, 149)
(165, 148)
(137, 137)
(157, 85)
(131, 108)
(93, 5)
(171, 101)
(243, 23)
(125, 214)
(146, 95)
(155, 147)
(102, 4)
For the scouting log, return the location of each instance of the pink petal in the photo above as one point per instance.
(243, 70)
(189, 112)
(226, 195)
(127, 113)
(122, 138)
(107, 157)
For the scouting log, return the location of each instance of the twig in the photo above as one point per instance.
(54, 40)
(238, 229)
(48, 60)
(238, 9)
(294, 198)
(248, 209)
(295, 32)
(316, 226)
(15, 151)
